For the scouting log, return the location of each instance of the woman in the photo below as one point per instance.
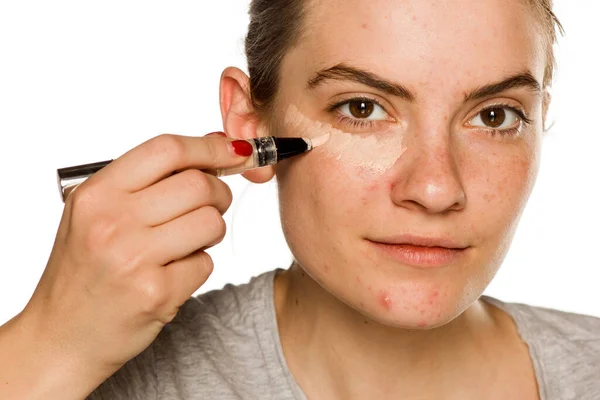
(397, 225)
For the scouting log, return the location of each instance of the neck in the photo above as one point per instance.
(337, 352)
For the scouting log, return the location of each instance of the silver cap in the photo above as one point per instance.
(70, 177)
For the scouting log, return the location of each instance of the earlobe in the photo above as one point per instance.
(240, 120)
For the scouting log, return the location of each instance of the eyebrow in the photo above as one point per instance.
(344, 72)
(522, 80)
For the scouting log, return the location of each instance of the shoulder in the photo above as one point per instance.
(232, 307)
(551, 323)
(564, 347)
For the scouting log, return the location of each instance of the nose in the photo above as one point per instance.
(428, 176)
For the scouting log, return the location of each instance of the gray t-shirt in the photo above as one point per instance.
(225, 345)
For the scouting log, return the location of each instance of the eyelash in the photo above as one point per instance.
(357, 123)
(506, 132)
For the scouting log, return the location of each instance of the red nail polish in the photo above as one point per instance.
(242, 148)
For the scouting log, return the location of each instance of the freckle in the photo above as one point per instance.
(364, 201)
(326, 268)
(296, 301)
(407, 308)
(370, 288)
(422, 312)
(357, 279)
(303, 274)
(365, 26)
(385, 300)
(439, 314)
(362, 304)
(366, 322)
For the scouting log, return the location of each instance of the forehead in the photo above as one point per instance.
(424, 42)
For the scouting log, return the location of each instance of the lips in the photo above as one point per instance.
(419, 251)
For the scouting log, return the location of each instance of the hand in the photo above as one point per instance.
(130, 249)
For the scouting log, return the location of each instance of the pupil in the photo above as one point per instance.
(361, 109)
(494, 117)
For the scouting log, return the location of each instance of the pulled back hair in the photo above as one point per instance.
(276, 25)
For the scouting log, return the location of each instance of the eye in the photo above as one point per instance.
(500, 118)
(363, 109)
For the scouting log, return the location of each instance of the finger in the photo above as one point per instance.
(159, 157)
(183, 277)
(180, 194)
(176, 239)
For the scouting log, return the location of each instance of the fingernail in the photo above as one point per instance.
(242, 148)
(217, 133)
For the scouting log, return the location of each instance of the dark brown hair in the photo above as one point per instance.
(276, 25)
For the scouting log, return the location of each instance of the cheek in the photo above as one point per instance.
(499, 185)
(322, 208)
(321, 189)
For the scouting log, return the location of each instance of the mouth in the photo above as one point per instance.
(421, 252)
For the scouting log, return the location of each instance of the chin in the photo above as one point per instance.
(410, 321)
(416, 303)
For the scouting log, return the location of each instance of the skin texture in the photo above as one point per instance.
(353, 321)
(452, 182)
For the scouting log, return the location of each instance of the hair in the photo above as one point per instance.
(276, 25)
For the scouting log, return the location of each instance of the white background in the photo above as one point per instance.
(86, 81)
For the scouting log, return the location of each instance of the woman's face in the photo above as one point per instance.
(451, 90)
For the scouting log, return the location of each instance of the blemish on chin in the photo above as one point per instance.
(433, 296)
(422, 324)
(385, 300)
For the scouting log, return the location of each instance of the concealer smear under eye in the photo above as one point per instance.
(372, 152)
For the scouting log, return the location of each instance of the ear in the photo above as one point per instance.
(240, 120)
(545, 106)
